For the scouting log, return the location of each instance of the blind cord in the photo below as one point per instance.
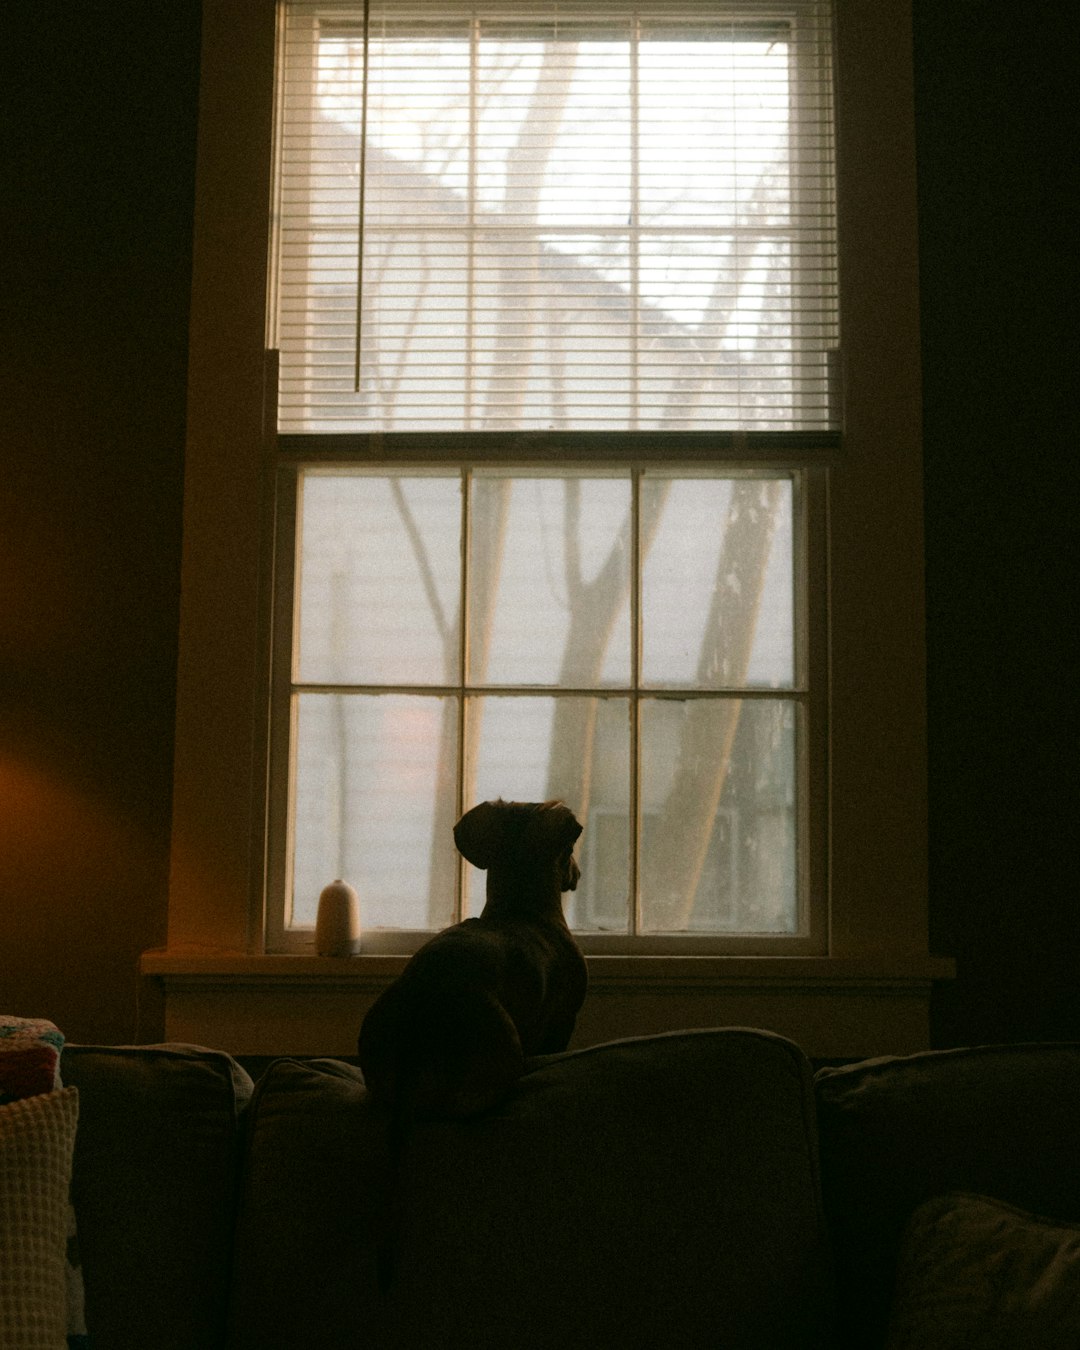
(360, 204)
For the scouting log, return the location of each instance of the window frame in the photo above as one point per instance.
(871, 577)
(329, 447)
(297, 453)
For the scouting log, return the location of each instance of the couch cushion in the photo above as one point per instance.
(995, 1120)
(975, 1271)
(156, 1159)
(652, 1192)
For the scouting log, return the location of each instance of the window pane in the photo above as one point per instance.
(734, 311)
(718, 816)
(717, 598)
(374, 804)
(553, 332)
(705, 159)
(549, 594)
(380, 579)
(553, 127)
(414, 364)
(549, 586)
(575, 749)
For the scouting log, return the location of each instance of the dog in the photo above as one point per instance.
(449, 1038)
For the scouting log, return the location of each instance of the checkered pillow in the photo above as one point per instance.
(37, 1140)
(30, 1069)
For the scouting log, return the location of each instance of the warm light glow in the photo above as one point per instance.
(56, 829)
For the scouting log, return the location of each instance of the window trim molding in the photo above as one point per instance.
(268, 1005)
(218, 828)
(659, 973)
(877, 856)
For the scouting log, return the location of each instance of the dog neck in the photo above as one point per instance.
(520, 892)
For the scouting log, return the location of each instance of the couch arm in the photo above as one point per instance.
(154, 1186)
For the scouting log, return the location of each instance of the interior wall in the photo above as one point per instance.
(997, 258)
(97, 200)
(97, 191)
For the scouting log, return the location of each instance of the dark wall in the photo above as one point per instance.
(96, 189)
(98, 145)
(998, 237)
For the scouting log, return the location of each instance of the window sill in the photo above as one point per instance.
(304, 1004)
(660, 972)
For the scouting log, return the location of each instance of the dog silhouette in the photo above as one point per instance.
(450, 1036)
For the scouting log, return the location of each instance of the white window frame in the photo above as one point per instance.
(806, 691)
(869, 583)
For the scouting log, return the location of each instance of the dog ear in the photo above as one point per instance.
(479, 834)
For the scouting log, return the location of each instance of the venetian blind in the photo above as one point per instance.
(572, 216)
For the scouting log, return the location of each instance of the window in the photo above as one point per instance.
(623, 639)
(499, 221)
(703, 409)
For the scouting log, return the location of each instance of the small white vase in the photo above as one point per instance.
(337, 927)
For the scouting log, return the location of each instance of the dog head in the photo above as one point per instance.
(516, 835)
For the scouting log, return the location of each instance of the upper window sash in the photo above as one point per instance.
(601, 217)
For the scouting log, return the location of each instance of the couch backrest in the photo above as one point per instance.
(996, 1120)
(653, 1192)
(154, 1186)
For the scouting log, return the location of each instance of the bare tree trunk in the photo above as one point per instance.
(691, 806)
(526, 165)
(594, 607)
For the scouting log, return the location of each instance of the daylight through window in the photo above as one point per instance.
(544, 668)
(529, 260)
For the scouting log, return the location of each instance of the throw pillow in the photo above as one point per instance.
(37, 1141)
(977, 1274)
(30, 1064)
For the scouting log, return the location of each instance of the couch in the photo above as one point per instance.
(697, 1189)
